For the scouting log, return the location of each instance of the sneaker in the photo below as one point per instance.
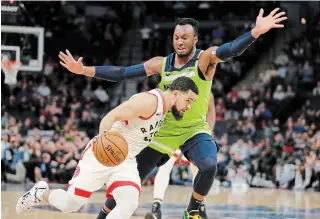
(31, 198)
(202, 211)
(194, 214)
(155, 213)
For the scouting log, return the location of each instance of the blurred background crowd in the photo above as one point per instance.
(267, 126)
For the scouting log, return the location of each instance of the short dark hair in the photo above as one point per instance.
(193, 22)
(184, 84)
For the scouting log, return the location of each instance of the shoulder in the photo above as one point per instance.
(145, 98)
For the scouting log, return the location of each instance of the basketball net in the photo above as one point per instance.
(10, 69)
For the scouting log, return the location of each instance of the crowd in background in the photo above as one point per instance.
(268, 131)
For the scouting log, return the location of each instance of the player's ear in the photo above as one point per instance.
(195, 40)
(176, 94)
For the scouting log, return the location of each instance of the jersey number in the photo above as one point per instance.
(150, 137)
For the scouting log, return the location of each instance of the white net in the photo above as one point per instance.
(10, 69)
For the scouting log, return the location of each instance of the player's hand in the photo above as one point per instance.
(264, 24)
(67, 61)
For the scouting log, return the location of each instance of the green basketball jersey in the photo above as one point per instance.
(173, 133)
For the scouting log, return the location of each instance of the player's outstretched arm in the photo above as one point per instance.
(263, 25)
(142, 105)
(235, 48)
(111, 73)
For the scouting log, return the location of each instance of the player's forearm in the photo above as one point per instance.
(211, 115)
(211, 119)
(106, 123)
(115, 73)
(235, 48)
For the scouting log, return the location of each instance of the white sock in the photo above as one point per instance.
(162, 179)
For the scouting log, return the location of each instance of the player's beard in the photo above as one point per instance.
(176, 113)
(185, 55)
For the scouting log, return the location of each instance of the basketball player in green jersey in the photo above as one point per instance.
(191, 134)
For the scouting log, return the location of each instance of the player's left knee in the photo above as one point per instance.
(128, 198)
(208, 165)
(132, 205)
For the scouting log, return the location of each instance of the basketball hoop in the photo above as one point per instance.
(10, 69)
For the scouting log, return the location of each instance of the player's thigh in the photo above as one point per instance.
(148, 159)
(89, 175)
(125, 175)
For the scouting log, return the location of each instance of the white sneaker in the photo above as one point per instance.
(32, 197)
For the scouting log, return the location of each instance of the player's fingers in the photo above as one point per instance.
(70, 56)
(260, 12)
(64, 65)
(274, 12)
(280, 19)
(278, 26)
(279, 15)
(63, 59)
(80, 59)
(63, 55)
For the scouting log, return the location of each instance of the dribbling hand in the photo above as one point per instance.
(67, 61)
(264, 24)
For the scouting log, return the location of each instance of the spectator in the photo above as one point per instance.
(307, 73)
(101, 94)
(14, 169)
(244, 93)
(282, 59)
(249, 110)
(289, 93)
(271, 72)
(278, 95)
(145, 35)
(44, 90)
(316, 90)
(27, 125)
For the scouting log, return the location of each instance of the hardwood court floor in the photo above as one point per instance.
(221, 203)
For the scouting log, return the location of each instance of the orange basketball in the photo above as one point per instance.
(110, 148)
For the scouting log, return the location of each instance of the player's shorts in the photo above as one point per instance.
(90, 175)
(168, 143)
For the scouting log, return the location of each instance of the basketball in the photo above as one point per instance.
(110, 149)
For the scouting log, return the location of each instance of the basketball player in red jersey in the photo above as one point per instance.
(138, 124)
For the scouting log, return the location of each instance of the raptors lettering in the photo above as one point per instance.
(147, 131)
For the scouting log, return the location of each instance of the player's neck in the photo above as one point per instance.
(180, 61)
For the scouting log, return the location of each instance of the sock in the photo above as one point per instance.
(156, 200)
(202, 207)
(102, 214)
(194, 204)
(162, 179)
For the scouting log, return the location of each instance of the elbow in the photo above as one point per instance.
(225, 52)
